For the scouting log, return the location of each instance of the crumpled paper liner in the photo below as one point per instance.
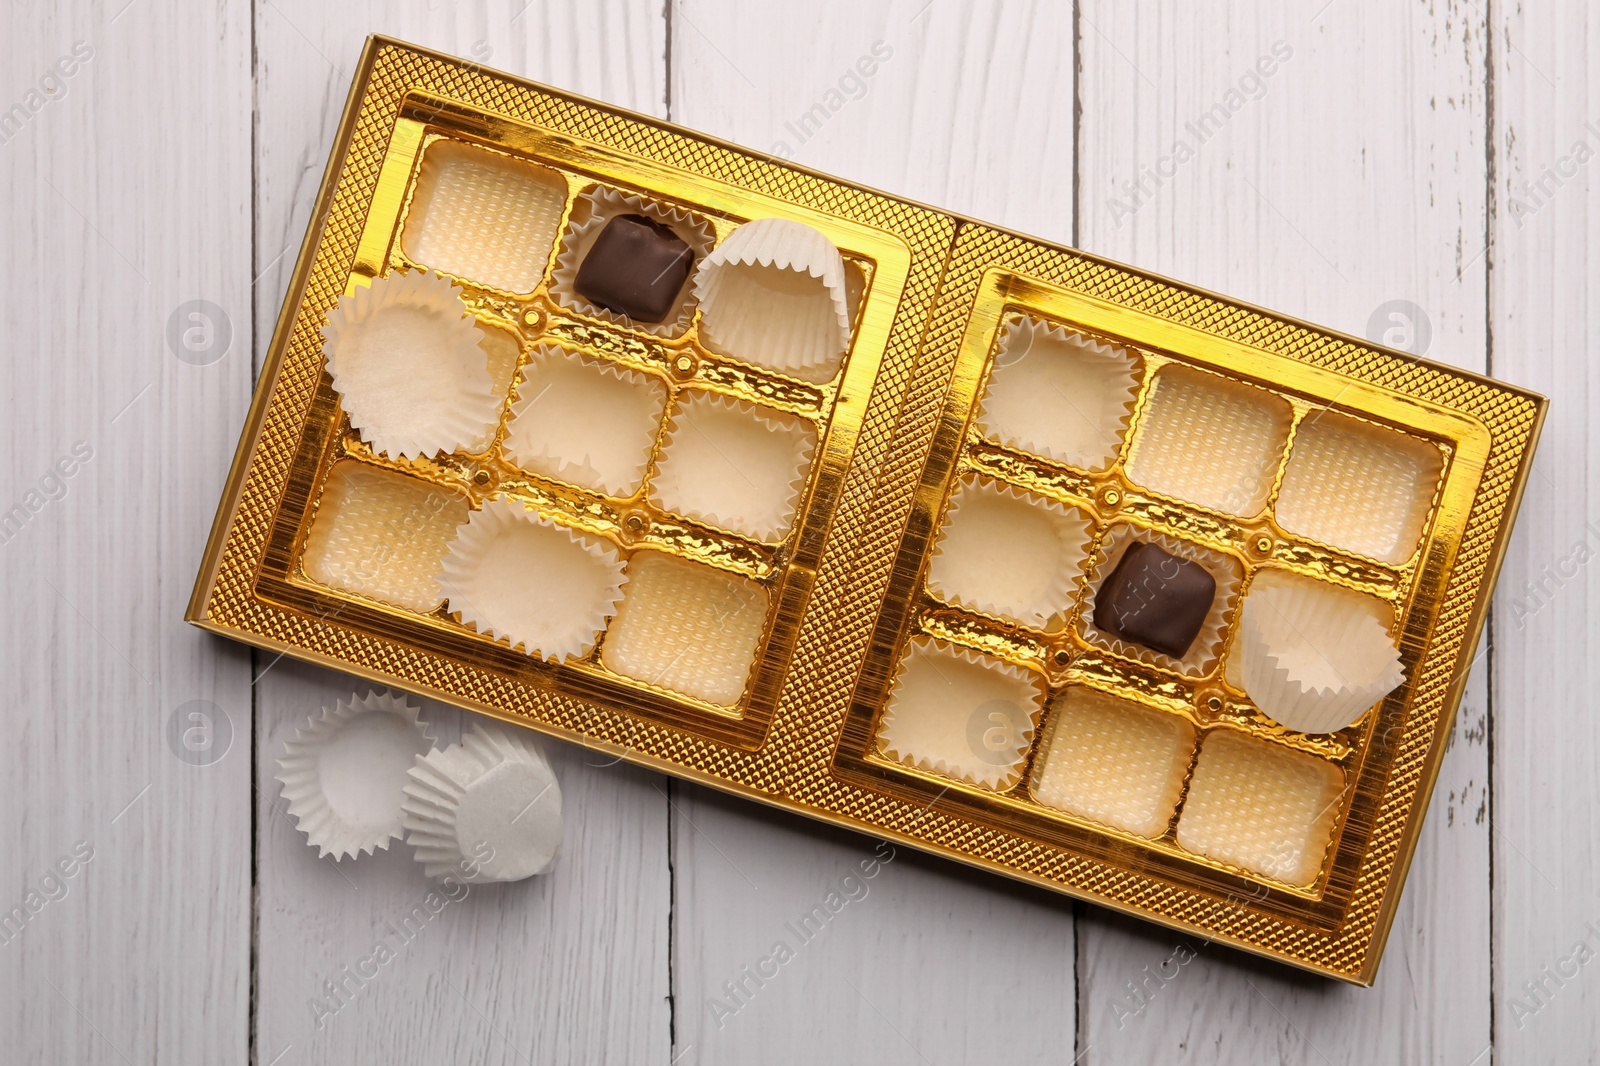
(586, 422)
(405, 357)
(961, 714)
(1311, 656)
(590, 213)
(487, 809)
(343, 773)
(1059, 395)
(1209, 441)
(773, 293)
(1207, 647)
(1007, 553)
(734, 465)
(522, 579)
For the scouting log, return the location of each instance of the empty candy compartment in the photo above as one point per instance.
(484, 216)
(1059, 395)
(381, 535)
(1007, 553)
(686, 627)
(587, 422)
(1359, 487)
(1112, 761)
(1209, 441)
(734, 465)
(1148, 607)
(1261, 807)
(960, 713)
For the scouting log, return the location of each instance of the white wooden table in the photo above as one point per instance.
(1423, 152)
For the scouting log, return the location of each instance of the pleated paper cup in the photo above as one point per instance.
(773, 294)
(343, 773)
(1310, 657)
(590, 213)
(522, 579)
(487, 809)
(406, 361)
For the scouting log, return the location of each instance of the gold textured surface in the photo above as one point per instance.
(894, 433)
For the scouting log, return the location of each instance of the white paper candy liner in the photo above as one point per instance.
(686, 627)
(1114, 762)
(961, 714)
(381, 535)
(1261, 807)
(734, 465)
(1209, 441)
(1313, 657)
(586, 422)
(773, 293)
(406, 361)
(484, 216)
(1358, 487)
(1005, 552)
(522, 579)
(343, 773)
(1059, 395)
(487, 809)
(590, 213)
(1207, 646)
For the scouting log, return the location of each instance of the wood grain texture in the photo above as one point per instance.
(1545, 309)
(125, 195)
(1344, 170)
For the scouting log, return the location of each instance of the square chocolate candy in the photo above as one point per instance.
(1156, 599)
(635, 267)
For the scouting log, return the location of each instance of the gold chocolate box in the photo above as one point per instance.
(884, 583)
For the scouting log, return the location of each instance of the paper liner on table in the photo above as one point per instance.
(733, 465)
(587, 422)
(522, 579)
(343, 773)
(1209, 441)
(590, 213)
(484, 216)
(773, 293)
(1313, 657)
(407, 363)
(686, 627)
(487, 809)
(1005, 552)
(1059, 394)
(956, 712)
(1207, 646)
(1113, 761)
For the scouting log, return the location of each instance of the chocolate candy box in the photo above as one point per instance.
(867, 510)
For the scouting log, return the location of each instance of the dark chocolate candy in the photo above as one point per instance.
(635, 267)
(1155, 599)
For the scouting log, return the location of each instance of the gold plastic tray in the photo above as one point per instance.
(896, 429)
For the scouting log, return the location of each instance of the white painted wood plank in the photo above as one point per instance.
(970, 110)
(570, 967)
(1545, 303)
(1351, 175)
(123, 193)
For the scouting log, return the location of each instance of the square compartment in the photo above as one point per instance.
(961, 713)
(686, 627)
(1358, 487)
(1262, 807)
(1007, 553)
(382, 535)
(733, 465)
(586, 422)
(1112, 761)
(483, 216)
(1209, 441)
(1059, 395)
